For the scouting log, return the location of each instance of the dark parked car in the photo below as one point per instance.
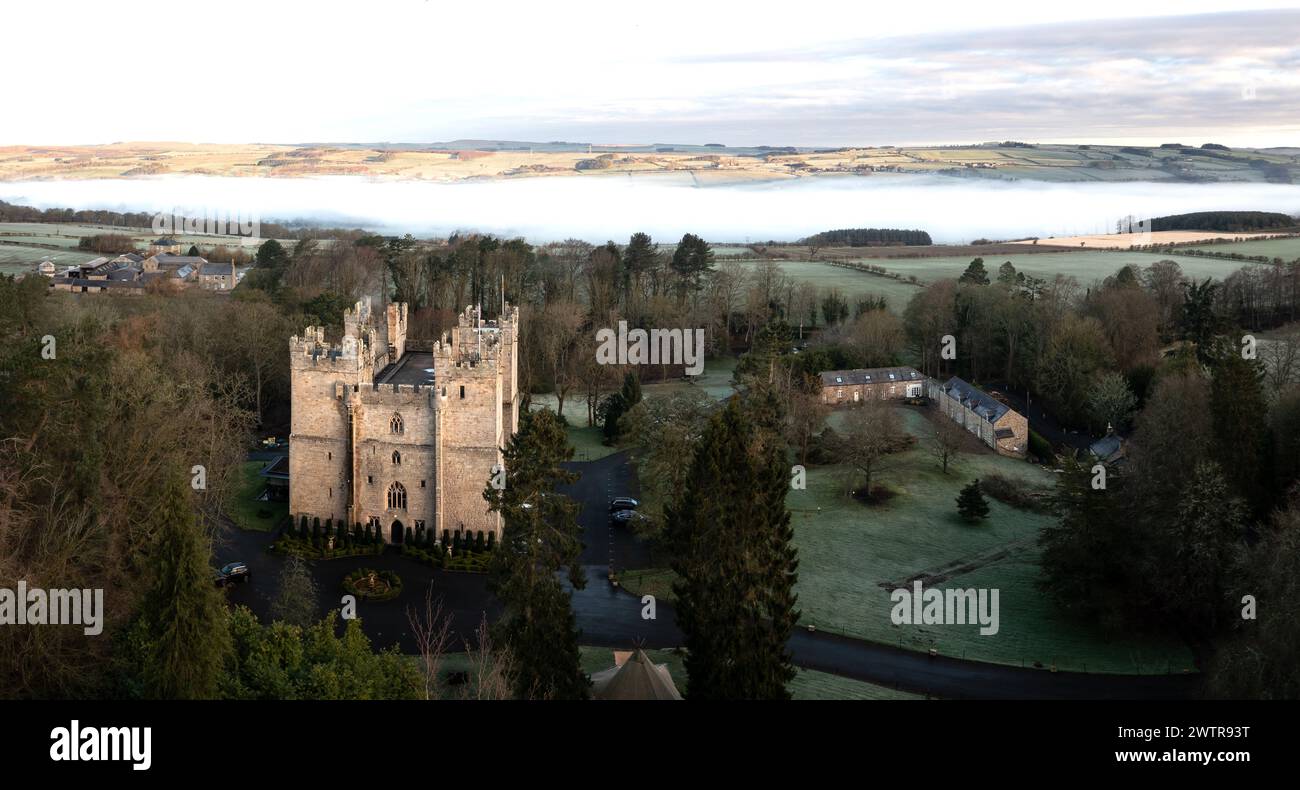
(623, 503)
(626, 517)
(233, 572)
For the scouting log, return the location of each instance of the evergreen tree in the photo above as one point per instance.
(541, 537)
(1007, 275)
(631, 390)
(692, 260)
(1239, 412)
(971, 504)
(1205, 538)
(730, 536)
(975, 273)
(1090, 555)
(184, 612)
(609, 412)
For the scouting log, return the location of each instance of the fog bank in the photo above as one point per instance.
(598, 208)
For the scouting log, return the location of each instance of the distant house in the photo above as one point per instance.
(46, 268)
(217, 276)
(995, 423)
(853, 386)
(165, 244)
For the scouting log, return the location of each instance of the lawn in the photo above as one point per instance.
(246, 510)
(852, 555)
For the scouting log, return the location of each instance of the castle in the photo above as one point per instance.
(398, 438)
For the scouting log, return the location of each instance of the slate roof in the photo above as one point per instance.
(217, 270)
(975, 399)
(843, 378)
(1106, 448)
(179, 260)
(124, 274)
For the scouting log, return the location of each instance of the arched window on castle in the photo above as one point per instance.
(397, 458)
(397, 497)
(395, 424)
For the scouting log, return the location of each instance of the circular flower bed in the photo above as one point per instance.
(372, 585)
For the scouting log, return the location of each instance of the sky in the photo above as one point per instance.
(811, 73)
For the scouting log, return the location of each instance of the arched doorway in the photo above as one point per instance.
(397, 532)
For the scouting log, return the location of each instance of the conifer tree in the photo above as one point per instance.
(971, 504)
(541, 537)
(1239, 413)
(730, 535)
(184, 611)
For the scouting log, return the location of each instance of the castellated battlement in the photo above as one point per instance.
(377, 394)
(310, 351)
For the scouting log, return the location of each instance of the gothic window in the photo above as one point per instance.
(396, 497)
(395, 424)
(397, 458)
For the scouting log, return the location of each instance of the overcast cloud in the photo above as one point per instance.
(812, 73)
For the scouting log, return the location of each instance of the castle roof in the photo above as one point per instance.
(415, 367)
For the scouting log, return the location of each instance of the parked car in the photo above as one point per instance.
(627, 517)
(233, 572)
(623, 503)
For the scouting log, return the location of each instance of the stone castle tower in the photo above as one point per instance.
(386, 434)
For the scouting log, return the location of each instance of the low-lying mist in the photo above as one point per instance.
(598, 208)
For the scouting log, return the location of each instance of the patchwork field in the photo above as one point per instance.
(1086, 267)
(1122, 241)
(852, 284)
(67, 235)
(17, 259)
(1288, 249)
(467, 159)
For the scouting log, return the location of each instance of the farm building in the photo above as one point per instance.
(994, 422)
(853, 386)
